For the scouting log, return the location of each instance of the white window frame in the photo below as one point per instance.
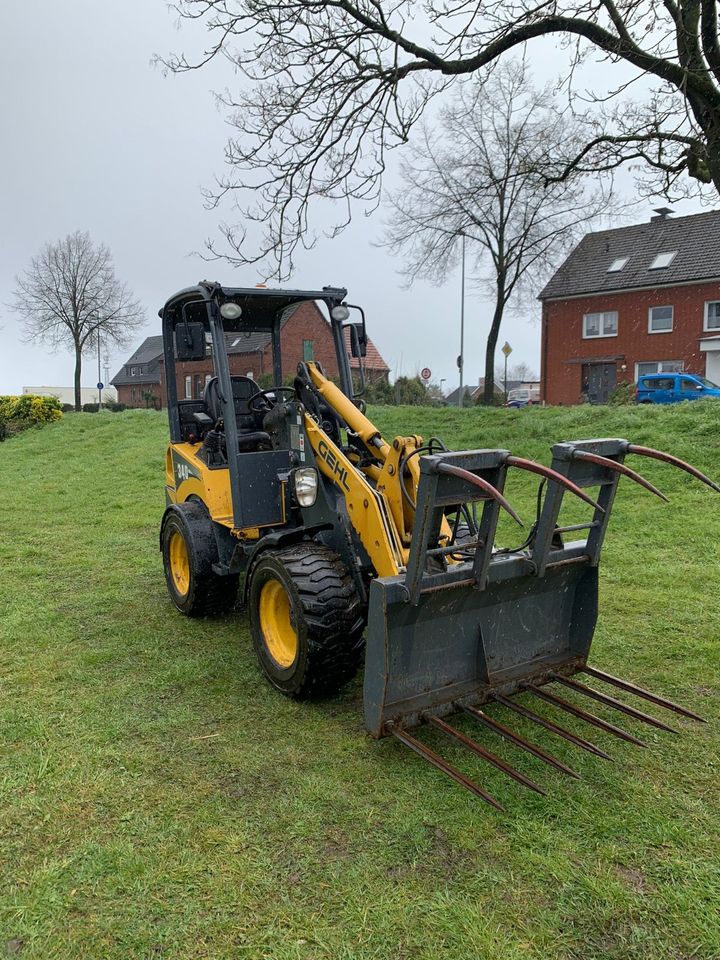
(671, 254)
(133, 371)
(663, 306)
(618, 264)
(659, 364)
(601, 325)
(208, 378)
(188, 388)
(706, 328)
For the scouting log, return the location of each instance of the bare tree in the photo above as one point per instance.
(69, 297)
(480, 174)
(331, 85)
(518, 371)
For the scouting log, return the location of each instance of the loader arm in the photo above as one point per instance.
(396, 474)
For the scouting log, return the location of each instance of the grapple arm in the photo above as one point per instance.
(499, 622)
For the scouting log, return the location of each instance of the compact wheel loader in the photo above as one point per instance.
(344, 545)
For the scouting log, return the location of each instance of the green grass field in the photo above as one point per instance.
(159, 800)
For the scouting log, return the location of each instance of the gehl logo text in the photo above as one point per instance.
(332, 461)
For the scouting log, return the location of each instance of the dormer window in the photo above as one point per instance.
(617, 265)
(663, 260)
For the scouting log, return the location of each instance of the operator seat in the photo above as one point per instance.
(249, 422)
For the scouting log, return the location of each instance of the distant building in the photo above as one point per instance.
(305, 335)
(632, 301)
(474, 392)
(67, 394)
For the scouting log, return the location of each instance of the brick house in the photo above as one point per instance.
(305, 335)
(632, 301)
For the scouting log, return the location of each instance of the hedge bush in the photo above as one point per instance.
(90, 407)
(20, 413)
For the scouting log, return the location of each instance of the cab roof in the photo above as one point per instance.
(262, 307)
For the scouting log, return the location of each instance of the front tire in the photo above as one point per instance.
(189, 551)
(306, 620)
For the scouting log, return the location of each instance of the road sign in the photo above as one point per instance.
(506, 349)
(100, 386)
(426, 373)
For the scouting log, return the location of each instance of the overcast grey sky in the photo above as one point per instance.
(96, 138)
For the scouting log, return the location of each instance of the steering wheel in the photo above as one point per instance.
(268, 397)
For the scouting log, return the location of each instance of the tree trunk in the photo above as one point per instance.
(489, 389)
(78, 369)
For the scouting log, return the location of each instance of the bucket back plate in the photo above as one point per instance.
(462, 644)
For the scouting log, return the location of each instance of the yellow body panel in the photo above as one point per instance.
(186, 475)
(189, 476)
(367, 508)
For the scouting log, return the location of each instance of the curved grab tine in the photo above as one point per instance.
(675, 461)
(550, 474)
(488, 488)
(618, 468)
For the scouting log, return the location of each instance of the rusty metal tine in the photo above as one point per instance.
(612, 702)
(618, 468)
(550, 474)
(515, 738)
(639, 692)
(583, 714)
(552, 727)
(674, 461)
(453, 471)
(476, 748)
(437, 761)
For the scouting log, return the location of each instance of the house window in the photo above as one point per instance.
(658, 366)
(308, 350)
(663, 260)
(617, 265)
(208, 378)
(132, 394)
(600, 324)
(712, 315)
(133, 371)
(188, 388)
(660, 320)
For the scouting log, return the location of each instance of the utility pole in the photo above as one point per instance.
(461, 358)
(99, 379)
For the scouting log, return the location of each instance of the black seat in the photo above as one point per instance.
(251, 436)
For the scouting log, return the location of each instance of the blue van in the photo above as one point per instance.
(674, 387)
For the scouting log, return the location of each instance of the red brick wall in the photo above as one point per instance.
(563, 343)
(306, 323)
(132, 394)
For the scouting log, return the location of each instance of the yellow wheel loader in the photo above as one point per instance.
(346, 546)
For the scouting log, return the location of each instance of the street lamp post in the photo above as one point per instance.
(461, 358)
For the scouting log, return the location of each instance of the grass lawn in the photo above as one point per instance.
(159, 800)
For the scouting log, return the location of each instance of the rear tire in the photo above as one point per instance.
(189, 551)
(306, 620)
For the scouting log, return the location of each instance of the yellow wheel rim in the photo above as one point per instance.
(278, 632)
(179, 563)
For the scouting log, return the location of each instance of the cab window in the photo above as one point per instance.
(686, 384)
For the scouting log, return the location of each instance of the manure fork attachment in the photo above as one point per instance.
(464, 627)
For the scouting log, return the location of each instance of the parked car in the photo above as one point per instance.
(521, 397)
(674, 387)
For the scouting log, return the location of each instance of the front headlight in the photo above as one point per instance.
(305, 481)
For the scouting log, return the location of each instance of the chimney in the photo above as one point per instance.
(662, 214)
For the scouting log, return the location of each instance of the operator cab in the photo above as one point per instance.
(202, 324)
